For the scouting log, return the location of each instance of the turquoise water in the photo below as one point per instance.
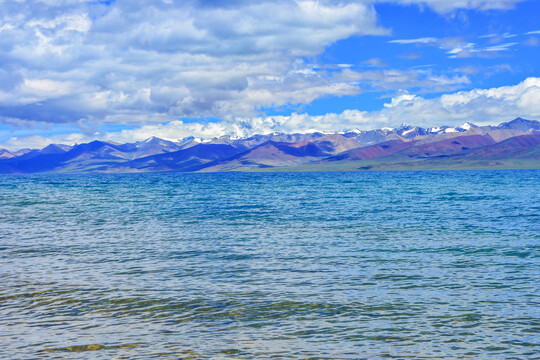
(366, 265)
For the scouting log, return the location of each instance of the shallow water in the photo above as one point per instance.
(352, 265)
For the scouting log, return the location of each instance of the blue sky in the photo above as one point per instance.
(74, 70)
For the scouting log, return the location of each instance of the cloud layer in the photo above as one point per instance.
(153, 61)
(141, 62)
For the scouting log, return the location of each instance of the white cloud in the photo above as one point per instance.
(36, 90)
(499, 47)
(479, 106)
(456, 47)
(148, 62)
(143, 61)
(446, 6)
(400, 99)
(424, 40)
(168, 60)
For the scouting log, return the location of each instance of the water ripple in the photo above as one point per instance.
(424, 265)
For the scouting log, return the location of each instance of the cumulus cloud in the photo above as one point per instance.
(78, 60)
(479, 106)
(141, 62)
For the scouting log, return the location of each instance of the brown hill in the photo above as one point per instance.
(272, 154)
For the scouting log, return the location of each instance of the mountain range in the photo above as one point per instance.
(514, 144)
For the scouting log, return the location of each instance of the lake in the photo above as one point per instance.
(334, 265)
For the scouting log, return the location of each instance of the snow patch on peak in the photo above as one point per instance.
(466, 126)
(408, 131)
(231, 136)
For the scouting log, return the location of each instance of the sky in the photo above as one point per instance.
(72, 71)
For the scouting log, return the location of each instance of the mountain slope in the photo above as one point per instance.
(521, 124)
(189, 159)
(6, 154)
(271, 154)
(517, 152)
(79, 158)
(374, 151)
(448, 146)
(93, 156)
(336, 143)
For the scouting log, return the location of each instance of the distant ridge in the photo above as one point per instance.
(511, 144)
(521, 124)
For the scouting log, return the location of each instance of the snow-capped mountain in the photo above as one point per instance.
(405, 143)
